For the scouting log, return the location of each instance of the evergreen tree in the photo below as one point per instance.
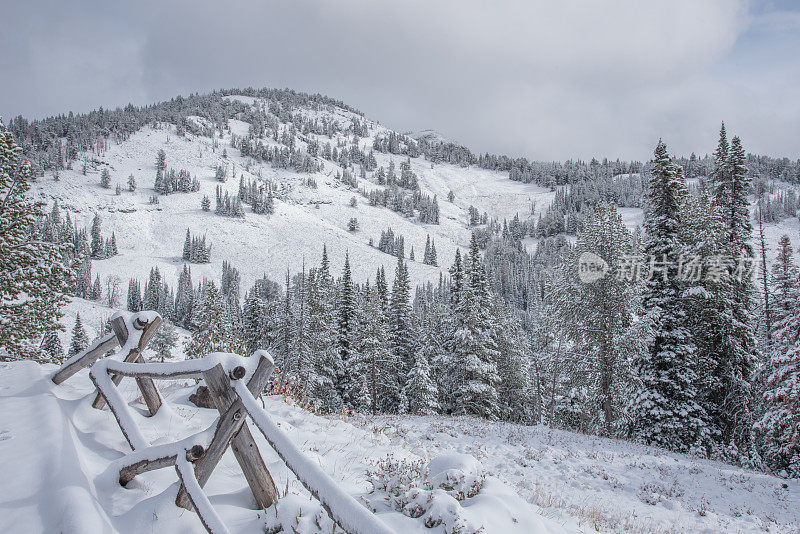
(401, 333)
(184, 299)
(598, 319)
(472, 343)
(780, 423)
(164, 340)
(187, 247)
(152, 291)
(98, 246)
(51, 347)
(79, 339)
(34, 279)
(665, 407)
(213, 333)
(105, 179)
(420, 389)
(134, 296)
(345, 336)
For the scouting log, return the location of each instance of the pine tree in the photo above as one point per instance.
(34, 279)
(184, 299)
(420, 390)
(79, 339)
(187, 247)
(164, 340)
(205, 204)
(51, 347)
(213, 333)
(472, 342)
(733, 401)
(326, 370)
(105, 179)
(780, 423)
(665, 407)
(401, 333)
(598, 319)
(131, 183)
(152, 291)
(134, 296)
(98, 246)
(113, 251)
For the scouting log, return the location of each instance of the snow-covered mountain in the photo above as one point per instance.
(305, 218)
(534, 479)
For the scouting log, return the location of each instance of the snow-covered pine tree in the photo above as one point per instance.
(98, 246)
(473, 345)
(184, 298)
(734, 399)
(346, 321)
(598, 319)
(665, 408)
(34, 279)
(213, 333)
(152, 291)
(79, 340)
(113, 246)
(164, 340)
(420, 389)
(401, 328)
(382, 385)
(325, 371)
(51, 347)
(703, 237)
(780, 423)
(105, 178)
(134, 296)
(187, 247)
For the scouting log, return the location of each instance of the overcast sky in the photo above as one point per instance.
(543, 79)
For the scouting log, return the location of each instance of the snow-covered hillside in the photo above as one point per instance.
(305, 218)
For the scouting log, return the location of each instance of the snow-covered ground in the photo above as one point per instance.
(604, 484)
(60, 463)
(57, 455)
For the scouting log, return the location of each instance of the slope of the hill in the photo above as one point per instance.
(305, 217)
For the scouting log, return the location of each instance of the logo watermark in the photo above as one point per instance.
(687, 268)
(591, 267)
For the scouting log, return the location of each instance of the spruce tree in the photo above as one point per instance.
(98, 246)
(34, 279)
(598, 319)
(213, 333)
(345, 336)
(164, 340)
(472, 343)
(665, 408)
(780, 423)
(79, 339)
(401, 334)
(420, 390)
(52, 348)
(734, 399)
(134, 296)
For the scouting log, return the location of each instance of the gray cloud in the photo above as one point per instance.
(550, 80)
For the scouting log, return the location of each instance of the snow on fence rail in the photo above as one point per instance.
(196, 456)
